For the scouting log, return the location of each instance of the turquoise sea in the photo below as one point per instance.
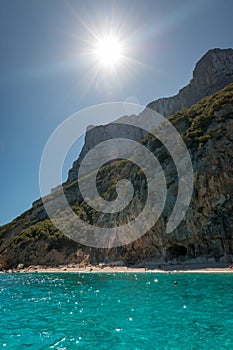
(106, 311)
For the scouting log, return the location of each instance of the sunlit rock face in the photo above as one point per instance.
(97, 134)
(212, 72)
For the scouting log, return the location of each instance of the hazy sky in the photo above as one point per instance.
(48, 72)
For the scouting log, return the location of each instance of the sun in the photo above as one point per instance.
(109, 51)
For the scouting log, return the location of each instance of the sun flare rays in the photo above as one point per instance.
(109, 51)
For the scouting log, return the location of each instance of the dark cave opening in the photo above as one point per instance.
(176, 251)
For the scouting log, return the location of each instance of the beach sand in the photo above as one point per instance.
(163, 268)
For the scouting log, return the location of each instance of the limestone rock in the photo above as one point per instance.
(205, 234)
(20, 266)
(212, 72)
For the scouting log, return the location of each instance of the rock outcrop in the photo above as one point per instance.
(212, 72)
(97, 134)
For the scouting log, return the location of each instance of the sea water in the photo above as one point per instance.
(116, 311)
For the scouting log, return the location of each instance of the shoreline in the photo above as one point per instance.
(163, 268)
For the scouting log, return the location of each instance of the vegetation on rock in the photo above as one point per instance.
(207, 130)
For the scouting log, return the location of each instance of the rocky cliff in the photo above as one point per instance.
(205, 234)
(212, 72)
(97, 134)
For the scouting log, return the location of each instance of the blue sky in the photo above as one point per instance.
(46, 74)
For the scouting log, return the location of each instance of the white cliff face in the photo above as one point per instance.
(95, 135)
(211, 73)
(215, 63)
